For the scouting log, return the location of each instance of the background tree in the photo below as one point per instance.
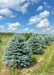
(47, 40)
(34, 45)
(42, 41)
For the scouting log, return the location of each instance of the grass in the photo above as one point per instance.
(40, 63)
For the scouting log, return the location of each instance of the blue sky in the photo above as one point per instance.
(27, 16)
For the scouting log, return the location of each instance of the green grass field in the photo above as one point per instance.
(40, 65)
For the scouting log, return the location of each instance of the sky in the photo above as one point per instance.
(25, 16)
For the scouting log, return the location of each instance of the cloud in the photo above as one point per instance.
(44, 2)
(1, 17)
(6, 12)
(32, 30)
(23, 9)
(26, 29)
(53, 30)
(36, 1)
(13, 26)
(52, 12)
(18, 5)
(43, 23)
(37, 18)
(1, 26)
(46, 5)
(14, 4)
(39, 8)
(48, 29)
(44, 14)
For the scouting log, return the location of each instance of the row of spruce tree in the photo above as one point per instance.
(18, 52)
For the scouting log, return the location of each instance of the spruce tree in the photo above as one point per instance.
(51, 37)
(34, 45)
(47, 40)
(16, 52)
(42, 42)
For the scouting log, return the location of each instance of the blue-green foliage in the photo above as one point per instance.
(34, 45)
(51, 37)
(16, 52)
(42, 42)
(47, 40)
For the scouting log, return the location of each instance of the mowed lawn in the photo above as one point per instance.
(40, 65)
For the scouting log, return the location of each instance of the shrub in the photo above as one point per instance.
(34, 45)
(16, 52)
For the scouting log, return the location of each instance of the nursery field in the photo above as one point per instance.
(40, 65)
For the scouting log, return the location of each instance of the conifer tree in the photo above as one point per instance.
(51, 37)
(42, 41)
(47, 40)
(34, 45)
(16, 52)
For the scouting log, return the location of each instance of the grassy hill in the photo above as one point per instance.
(44, 63)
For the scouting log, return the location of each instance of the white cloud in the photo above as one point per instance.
(52, 12)
(44, 29)
(13, 26)
(18, 5)
(53, 30)
(46, 5)
(14, 4)
(44, 2)
(26, 29)
(48, 29)
(36, 1)
(6, 12)
(1, 26)
(23, 9)
(34, 19)
(37, 18)
(43, 23)
(32, 31)
(44, 14)
(39, 8)
(1, 17)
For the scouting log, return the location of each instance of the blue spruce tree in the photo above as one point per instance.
(16, 52)
(34, 45)
(47, 40)
(42, 41)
